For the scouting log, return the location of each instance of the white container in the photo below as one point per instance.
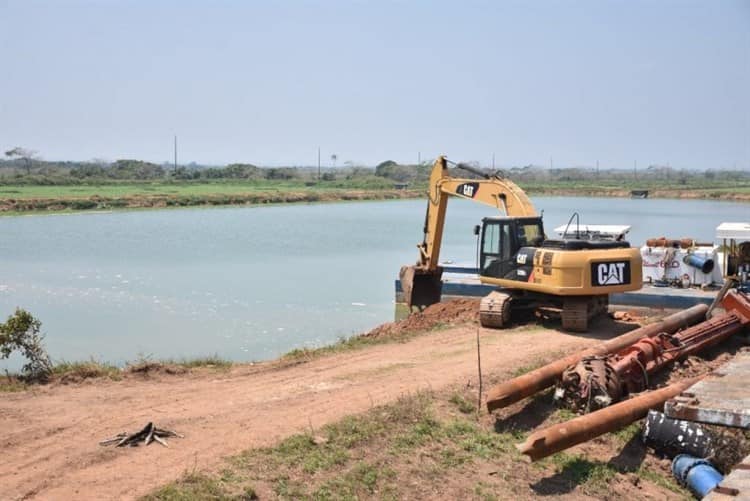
(668, 264)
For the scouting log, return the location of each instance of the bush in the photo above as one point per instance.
(21, 332)
(84, 204)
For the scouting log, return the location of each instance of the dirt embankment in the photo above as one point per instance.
(165, 200)
(50, 434)
(692, 193)
(436, 315)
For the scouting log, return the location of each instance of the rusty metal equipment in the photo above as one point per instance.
(684, 243)
(583, 428)
(598, 381)
(518, 388)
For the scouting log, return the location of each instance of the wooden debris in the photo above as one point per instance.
(148, 434)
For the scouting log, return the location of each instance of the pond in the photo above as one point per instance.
(252, 283)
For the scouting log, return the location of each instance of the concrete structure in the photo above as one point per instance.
(722, 400)
(735, 486)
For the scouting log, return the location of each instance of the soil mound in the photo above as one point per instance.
(449, 312)
(147, 367)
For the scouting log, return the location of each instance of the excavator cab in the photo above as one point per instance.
(503, 240)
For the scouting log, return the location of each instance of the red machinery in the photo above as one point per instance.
(597, 381)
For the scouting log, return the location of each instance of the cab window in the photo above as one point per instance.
(529, 235)
(496, 247)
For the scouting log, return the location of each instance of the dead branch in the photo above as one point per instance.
(145, 436)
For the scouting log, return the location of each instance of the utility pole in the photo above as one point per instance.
(175, 153)
(597, 168)
(493, 161)
(551, 163)
(635, 169)
(318, 163)
(419, 158)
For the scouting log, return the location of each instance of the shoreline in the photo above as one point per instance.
(402, 395)
(75, 205)
(98, 204)
(435, 319)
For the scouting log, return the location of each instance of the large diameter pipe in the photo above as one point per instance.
(696, 473)
(674, 436)
(561, 436)
(706, 265)
(510, 392)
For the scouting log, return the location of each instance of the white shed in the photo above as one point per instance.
(731, 234)
(734, 231)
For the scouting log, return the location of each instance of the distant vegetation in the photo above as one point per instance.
(23, 167)
(30, 183)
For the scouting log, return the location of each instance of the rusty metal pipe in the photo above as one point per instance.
(598, 381)
(561, 436)
(510, 392)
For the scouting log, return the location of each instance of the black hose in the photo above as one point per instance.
(469, 168)
(578, 226)
(479, 272)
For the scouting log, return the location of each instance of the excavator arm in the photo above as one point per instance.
(421, 283)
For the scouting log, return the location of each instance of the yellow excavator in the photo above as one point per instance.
(566, 278)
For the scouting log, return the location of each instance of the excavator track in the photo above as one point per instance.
(575, 314)
(494, 310)
(577, 311)
(603, 304)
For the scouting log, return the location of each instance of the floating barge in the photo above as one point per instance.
(463, 281)
(677, 274)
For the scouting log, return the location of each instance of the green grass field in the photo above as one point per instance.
(186, 189)
(234, 188)
(24, 199)
(17, 199)
(646, 184)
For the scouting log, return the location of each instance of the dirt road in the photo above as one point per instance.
(49, 436)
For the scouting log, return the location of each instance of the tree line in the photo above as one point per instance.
(23, 166)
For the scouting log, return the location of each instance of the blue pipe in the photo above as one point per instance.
(705, 265)
(699, 475)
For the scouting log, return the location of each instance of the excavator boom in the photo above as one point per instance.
(422, 283)
(500, 193)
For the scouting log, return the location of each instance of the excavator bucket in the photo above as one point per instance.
(421, 287)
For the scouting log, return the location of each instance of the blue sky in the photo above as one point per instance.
(268, 82)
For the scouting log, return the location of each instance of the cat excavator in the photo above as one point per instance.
(568, 278)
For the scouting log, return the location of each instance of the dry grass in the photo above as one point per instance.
(65, 372)
(422, 446)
